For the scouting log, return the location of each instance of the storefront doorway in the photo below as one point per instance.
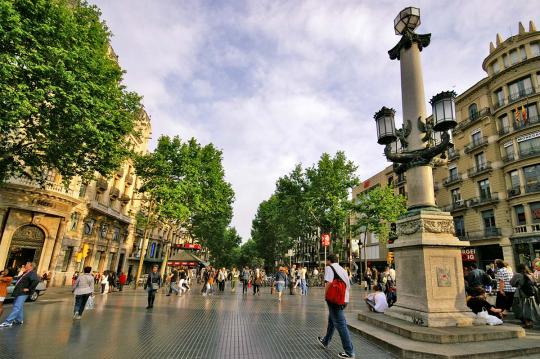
(26, 246)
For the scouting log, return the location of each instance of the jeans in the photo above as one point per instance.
(336, 320)
(245, 286)
(151, 297)
(80, 303)
(303, 286)
(17, 312)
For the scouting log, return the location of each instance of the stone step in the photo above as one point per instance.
(403, 347)
(441, 335)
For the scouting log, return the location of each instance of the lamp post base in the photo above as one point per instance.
(430, 283)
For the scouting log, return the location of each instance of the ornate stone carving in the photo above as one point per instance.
(406, 41)
(426, 225)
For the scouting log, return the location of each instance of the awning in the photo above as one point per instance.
(184, 258)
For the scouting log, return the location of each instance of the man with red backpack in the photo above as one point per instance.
(337, 290)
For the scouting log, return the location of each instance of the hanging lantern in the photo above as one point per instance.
(408, 18)
(444, 111)
(384, 120)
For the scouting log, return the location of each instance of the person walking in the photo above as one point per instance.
(245, 280)
(336, 317)
(257, 281)
(83, 289)
(292, 279)
(303, 283)
(525, 306)
(122, 280)
(368, 276)
(105, 283)
(280, 280)
(24, 287)
(234, 279)
(152, 285)
(173, 279)
(505, 290)
(221, 279)
(5, 281)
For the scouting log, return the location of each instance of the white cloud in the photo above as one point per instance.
(274, 83)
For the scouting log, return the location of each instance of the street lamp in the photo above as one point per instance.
(427, 253)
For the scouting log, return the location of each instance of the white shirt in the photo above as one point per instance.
(380, 301)
(329, 277)
(303, 273)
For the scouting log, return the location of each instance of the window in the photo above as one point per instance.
(495, 67)
(82, 190)
(103, 231)
(532, 178)
(535, 49)
(509, 153)
(488, 217)
(473, 111)
(88, 226)
(459, 224)
(523, 53)
(531, 113)
(506, 62)
(480, 160)
(520, 88)
(485, 191)
(505, 124)
(116, 234)
(529, 146)
(499, 94)
(390, 181)
(67, 258)
(476, 138)
(520, 215)
(401, 191)
(74, 221)
(453, 173)
(514, 57)
(152, 249)
(456, 196)
(514, 179)
(535, 211)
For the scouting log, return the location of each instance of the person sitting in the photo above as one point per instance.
(478, 303)
(376, 302)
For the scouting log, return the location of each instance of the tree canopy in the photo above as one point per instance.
(62, 103)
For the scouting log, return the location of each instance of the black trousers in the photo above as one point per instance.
(244, 286)
(256, 288)
(221, 286)
(151, 297)
(80, 303)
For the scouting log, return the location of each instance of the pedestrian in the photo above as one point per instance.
(152, 285)
(73, 278)
(211, 280)
(257, 282)
(525, 306)
(476, 278)
(234, 279)
(183, 285)
(245, 280)
(368, 277)
(173, 286)
(478, 303)
(505, 290)
(292, 279)
(336, 316)
(105, 283)
(122, 280)
(221, 279)
(24, 287)
(5, 281)
(377, 302)
(303, 282)
(280, 280)
(83, 289)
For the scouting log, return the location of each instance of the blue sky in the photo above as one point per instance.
(274, 83)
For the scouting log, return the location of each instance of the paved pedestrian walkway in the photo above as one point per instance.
(191, 326)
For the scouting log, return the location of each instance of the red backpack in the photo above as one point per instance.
(336, 292)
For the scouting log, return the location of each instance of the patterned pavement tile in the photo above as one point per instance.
(227, 325)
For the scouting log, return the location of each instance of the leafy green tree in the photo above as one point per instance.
(223, 249)
(62, 104)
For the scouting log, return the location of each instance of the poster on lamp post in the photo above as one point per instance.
(325, 239)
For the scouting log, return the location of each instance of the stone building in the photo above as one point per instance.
(491, 180)
(50, 225)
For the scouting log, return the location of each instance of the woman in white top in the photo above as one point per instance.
(105, 283)
(83, 289)
(377, 301)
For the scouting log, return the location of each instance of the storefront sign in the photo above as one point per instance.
(193, 246)
(468, 255)
(529, 136)
(181, 264)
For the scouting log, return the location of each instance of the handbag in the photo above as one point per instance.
(90, 303)
(155, 286)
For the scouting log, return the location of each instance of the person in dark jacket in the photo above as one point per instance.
(25, 285)
(153, 283)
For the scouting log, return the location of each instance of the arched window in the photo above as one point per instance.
(473, 111)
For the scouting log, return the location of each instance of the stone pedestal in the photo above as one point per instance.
(430, 284)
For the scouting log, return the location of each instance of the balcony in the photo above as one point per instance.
(48, 185)
(481, 142)
(125, 199)
(129, 180)
(487, 233)
(523, 230)
(513, 192)
(483, 200)
(119, 174)
(475, 117)
(102, 184)
(101, 208)
(517, 126)
(453, 179)
(114, 193)
(499, 103)
(457, 206)
(522, 93)
(453, 155)
(511, 157)
(479, 169)
(399, 181)
(532, 188)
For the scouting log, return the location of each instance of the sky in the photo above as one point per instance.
(276, 83)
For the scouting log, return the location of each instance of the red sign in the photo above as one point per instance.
(181, 264)
(325, 239)
(193, 246)
(468, 255)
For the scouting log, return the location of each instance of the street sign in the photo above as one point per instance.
(325, 239)
(468, 255)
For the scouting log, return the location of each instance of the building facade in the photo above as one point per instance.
(490, 180)
(50, 225)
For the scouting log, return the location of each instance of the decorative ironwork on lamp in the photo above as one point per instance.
(444, 111)
(386, 128)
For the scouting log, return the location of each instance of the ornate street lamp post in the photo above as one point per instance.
(430, 283)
